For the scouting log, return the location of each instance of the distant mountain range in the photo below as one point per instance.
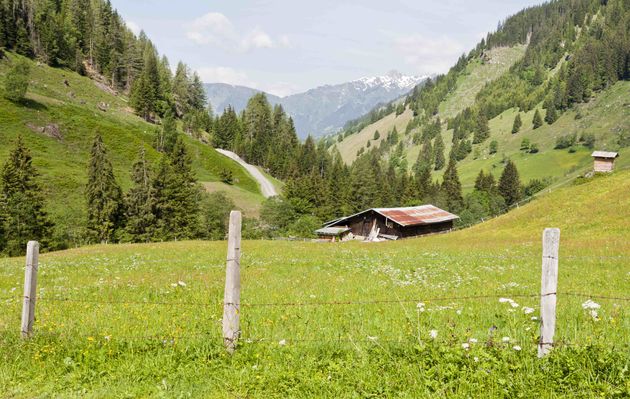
(324, 109)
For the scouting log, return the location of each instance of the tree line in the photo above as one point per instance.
(164, 203)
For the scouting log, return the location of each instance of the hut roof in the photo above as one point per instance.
(604, 154)
(332, 231)
(408, 216)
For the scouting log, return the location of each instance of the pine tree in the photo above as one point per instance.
(103, 195)
(516, 126)
(452, 188)
(176, 197)
(550, 114)
(16, 81)
(22, 213)
(510, 184)
(537, 120)
(482, 131)
(140, 221)
(438, 149)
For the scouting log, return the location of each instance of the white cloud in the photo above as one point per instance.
(133, 27)
(428, 55)
(216, 29)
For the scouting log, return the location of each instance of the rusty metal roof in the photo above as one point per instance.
(409, 216)
(604, 154)
(415, 215)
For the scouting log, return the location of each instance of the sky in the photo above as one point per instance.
(289, 46)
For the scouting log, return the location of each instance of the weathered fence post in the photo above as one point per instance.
(548, 287)
(232, 295)
(30, 288)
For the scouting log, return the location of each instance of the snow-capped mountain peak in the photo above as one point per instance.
(393, 80)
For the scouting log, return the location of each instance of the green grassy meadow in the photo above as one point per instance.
(336, 320)
(62, 163)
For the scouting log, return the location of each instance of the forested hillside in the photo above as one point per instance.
(58, 119)
(539, 94)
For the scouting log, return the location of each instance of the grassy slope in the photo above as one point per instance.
(603, 116)
(353, 143)
(63, 164)
(70, 356)
(470, 83)
(476, 75)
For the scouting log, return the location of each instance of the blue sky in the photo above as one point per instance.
(285, 47)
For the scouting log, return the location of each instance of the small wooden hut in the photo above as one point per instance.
(393, 223)
(604, 161)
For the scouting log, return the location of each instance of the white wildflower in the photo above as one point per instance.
(466, 345)
(282, 342)
(174, 285)
(372, 338)
(506, 339)
(181, 283)
(420, 307)
(433, 334)
(504, 300)
(534, 318)
(476, 359)
(594, 314)
(514, 304)
(590, 305)
(459, 311)
(516, 348)
(472, 340)
(527, 310)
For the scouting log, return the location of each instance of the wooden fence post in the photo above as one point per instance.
(30, 288)
(232, 295)
(548, 289)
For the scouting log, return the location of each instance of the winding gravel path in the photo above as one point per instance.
(266, 186)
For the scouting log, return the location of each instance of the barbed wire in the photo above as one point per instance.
(318, 303)
(128, 302)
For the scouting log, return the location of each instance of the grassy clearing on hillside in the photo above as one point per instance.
(353, 143)
(476, 75)
(73, 107)
(84, 349)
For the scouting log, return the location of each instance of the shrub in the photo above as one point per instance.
(588, 140)
(226, 176)
(566, 141)
(16, 81)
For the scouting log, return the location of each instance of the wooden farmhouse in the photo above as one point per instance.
(394, 223)
(604, 161)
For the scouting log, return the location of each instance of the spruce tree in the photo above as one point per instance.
(482, 131)
(22, 213)
(516, 126)
(103, 195)
(537, 120)
(510, 184)
(452, 188)
(550, 115)
(176, 197)
(438, 149)
(140, 221)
